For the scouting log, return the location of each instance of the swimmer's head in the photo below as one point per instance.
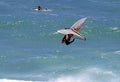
(39, 7)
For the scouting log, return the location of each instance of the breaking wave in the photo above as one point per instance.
(91, 75)
(8, 80)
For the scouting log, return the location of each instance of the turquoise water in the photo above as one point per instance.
(31, 51)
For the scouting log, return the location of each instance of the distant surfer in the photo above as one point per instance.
(40, 8)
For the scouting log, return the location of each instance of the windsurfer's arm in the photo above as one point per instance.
(63, 39)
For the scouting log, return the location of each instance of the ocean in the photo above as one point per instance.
(31, 51)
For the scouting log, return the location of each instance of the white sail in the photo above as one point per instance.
(65, 31)
(79, 24)
(74, 29)
(70, 31)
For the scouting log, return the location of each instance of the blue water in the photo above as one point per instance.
(31, 51)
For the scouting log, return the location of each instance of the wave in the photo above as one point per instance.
(117, 52)
(9, 80)
(90, 75)
(115, 29)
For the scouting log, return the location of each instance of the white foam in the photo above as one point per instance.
(117, 52)
(115, 29)
(88, 75)
(44, 10)
(9, 80)
(91, 75)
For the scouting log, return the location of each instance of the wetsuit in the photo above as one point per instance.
(66, 39)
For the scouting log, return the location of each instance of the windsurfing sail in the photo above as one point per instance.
(70, 31)
(76, 26)
(65, 31)
(74, 29)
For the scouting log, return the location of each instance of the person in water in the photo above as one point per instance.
(66, 39)
(40, 8)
